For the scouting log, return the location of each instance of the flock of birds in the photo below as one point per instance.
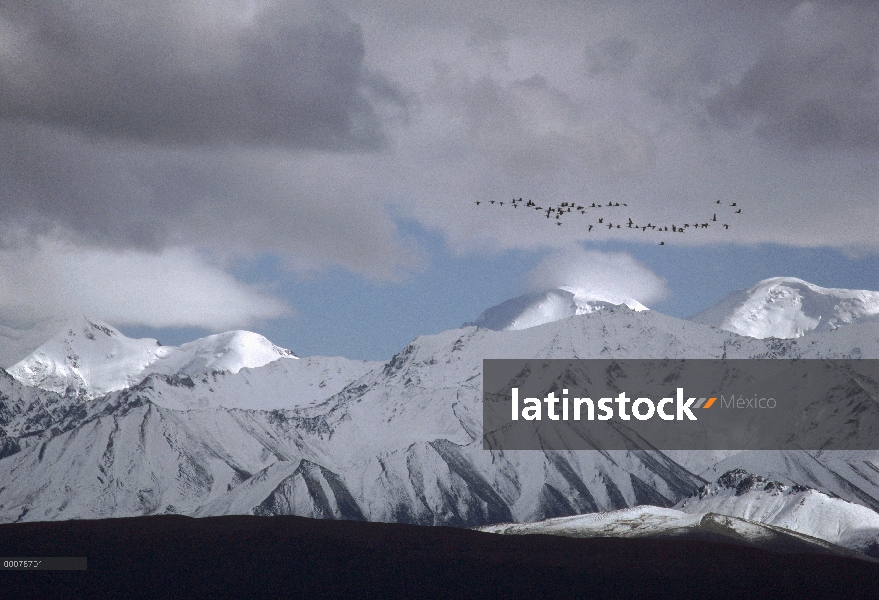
(572, 208)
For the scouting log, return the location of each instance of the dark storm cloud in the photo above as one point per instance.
(154, 124)
(610, 56)
(816, 84)
(191, 73)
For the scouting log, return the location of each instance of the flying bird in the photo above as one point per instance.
(567, 207)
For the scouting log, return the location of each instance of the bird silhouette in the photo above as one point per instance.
(561, 208)
(662, 243)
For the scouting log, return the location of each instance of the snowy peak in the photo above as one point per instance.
(92, 358)
(787, 307)
(739, 493)
(87, 356)
(531, 310)
(230, 351)
(665, 523)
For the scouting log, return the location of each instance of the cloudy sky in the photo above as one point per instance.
(310, 170)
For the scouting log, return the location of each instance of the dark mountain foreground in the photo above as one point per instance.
(174, 556)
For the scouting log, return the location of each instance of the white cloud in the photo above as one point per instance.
(51, 279)
(611, 276)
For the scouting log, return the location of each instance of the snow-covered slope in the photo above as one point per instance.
(400, 441)
(787, 307)
(659, 522)
(279, 385)
(21, 340)
(795, 507)
(531, 310)
(92, 358)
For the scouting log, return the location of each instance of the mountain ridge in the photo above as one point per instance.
(398, 441)
(788, 307)
(93, 358)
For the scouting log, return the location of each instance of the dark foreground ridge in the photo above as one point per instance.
(291, 557)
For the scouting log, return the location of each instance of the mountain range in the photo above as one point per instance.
(96, 425)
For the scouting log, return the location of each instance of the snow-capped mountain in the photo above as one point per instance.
(400, 442)
(530, 310)
(787, 307)
(93, 358)
(741, 494)
(740, 508)
(668, 523)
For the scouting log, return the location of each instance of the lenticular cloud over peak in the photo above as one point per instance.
(591, 275)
